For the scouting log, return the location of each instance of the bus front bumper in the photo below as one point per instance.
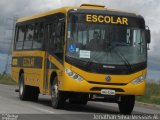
(70, 85)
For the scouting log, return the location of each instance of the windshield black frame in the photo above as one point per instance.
(90, 63)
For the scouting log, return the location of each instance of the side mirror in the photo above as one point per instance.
(148, 36)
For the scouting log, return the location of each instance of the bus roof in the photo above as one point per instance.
(66, 9)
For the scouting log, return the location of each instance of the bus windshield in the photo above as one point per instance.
(106, 44)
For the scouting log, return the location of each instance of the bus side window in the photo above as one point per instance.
(51, 37)
(15, 37)
(59, 38)
(29, 36)
(59, 41)
(20, 38)
(38, 36)
(56, 39)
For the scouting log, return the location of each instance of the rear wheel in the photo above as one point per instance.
(34, 94)
(126, 104)
(23, 90)
(27, 92)
(57, 97)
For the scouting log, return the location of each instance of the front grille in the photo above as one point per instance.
(105, 83)
(100, 88)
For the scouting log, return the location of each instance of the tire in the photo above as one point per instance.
(23, 89)
(27, 92)
(79, 99)
(34, 94)
(58, 98)
(126, 104)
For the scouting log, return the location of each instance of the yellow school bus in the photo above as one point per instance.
(81, 54)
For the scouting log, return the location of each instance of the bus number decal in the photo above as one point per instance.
(28, 62)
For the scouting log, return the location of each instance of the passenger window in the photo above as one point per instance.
(38, 36)
(52, 36)
(29, 37)
(56, 39)
(20, 37)
(59, 38)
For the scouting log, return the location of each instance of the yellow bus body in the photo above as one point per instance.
(35, 76)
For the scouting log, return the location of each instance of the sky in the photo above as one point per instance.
(149, 9)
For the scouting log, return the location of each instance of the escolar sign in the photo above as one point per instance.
(107, 19)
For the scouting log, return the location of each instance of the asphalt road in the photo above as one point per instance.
(42, 110)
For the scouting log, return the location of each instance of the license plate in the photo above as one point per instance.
(107, 92)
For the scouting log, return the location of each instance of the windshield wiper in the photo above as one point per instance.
(123, 58)
(89, 62)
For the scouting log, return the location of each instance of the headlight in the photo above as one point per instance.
(73, 74)
(139, 79)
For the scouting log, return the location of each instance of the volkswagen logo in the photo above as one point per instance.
(108, 78)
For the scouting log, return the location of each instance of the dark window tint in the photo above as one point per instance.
(20, 37)
(56, 39)
(29, 37)
(38, 36)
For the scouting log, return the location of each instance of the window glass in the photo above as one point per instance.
(20, 37)
(56, 38)
(38, 36)
(19, 45)
(21, 33)
(52, 37)
(107, 44)
(29, 37)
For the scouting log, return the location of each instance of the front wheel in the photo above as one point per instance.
(57, 97)
(126, 104)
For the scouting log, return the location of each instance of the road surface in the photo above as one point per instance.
(42, 110)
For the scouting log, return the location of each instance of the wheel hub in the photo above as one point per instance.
(55, 91)
(21, 88)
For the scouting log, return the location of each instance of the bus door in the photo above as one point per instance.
(54, 48)
(46, 61)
